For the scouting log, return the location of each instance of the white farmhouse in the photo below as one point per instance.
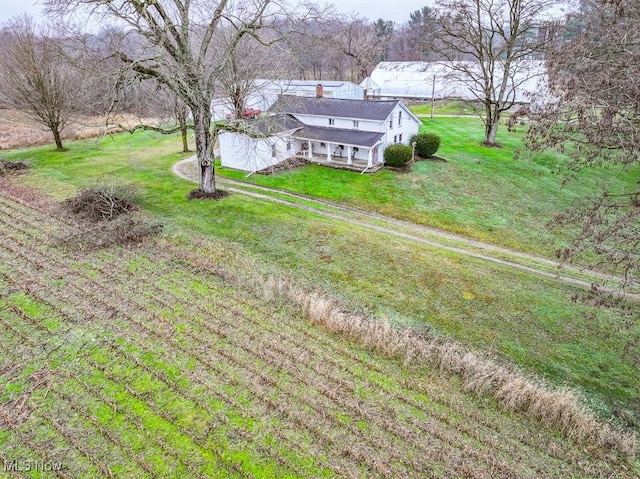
(349, 134)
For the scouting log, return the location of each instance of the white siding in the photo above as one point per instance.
(407, 129)
(242, 152)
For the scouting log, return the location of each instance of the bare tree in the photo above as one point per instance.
(250, 60)
(177, 49)
(592, 115)
(35, 77)
(360, 44)
(384, 30)
(488, 45)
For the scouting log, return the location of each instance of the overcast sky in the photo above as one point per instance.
(396, 10)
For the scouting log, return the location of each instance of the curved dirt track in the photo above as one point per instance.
(403, 229)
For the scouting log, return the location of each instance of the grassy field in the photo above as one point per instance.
(525, 319)
(17, 130)
(150, 362)
(479, 192)
(444, 107)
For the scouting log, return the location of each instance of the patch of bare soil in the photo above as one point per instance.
(7, 167)
(286, 165)
(406, 168)
(431, 158)
(198, 194)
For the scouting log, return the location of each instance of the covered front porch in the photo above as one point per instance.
(361, 166)
(338, 148)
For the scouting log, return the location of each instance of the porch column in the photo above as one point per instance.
(369, 158)
(349, 153)
(328, 151)
(309, 151)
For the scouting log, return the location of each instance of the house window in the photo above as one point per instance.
(395, 138)
(400, 138)
(274, 151)
(288, 145)
(332, 122)
(391, 123)
(356, 124)
(400, 120)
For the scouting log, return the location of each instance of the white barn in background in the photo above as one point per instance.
(342, 133)
(266, 92)
(426, 80)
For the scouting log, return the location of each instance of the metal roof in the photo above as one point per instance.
(272, 124)
(335, 107)
(290, 84)
(442, 80)
(340, 136)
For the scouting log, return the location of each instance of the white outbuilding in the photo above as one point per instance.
(265, 92)
(441, 80)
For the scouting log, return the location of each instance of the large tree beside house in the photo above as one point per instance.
(180, 48)
(489, 44)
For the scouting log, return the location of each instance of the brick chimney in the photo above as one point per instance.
(319, 90)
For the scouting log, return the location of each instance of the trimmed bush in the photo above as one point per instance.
(426, 144)
(397, 155)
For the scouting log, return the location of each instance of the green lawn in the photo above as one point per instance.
(444, 107)
(479, 192)
(528, 320)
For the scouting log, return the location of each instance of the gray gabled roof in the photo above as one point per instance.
(335, 107)
(268, 125)
(340, 136)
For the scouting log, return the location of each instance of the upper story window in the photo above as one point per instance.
(356, 124)
(332, 122)
(399, 118)
(391, 123)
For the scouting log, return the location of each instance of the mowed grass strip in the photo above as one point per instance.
(529, 321)
(148, 378)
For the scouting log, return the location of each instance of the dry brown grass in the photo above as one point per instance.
(481, 375)
(17, 130)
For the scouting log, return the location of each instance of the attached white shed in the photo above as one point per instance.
(268, 143)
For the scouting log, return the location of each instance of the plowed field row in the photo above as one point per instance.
(155, 368)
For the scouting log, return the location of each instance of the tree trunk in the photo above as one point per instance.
(204, 147)
(185, 143)
(57, 138)
(491, 124)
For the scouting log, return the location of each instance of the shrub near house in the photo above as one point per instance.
(397, 155)
(426, 144)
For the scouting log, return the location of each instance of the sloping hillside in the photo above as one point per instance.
(138, 362)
